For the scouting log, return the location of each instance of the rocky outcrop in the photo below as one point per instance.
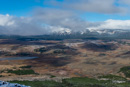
(7, 84)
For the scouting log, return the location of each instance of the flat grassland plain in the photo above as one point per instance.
(66, 63)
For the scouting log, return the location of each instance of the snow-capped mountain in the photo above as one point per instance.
(96, 31)
(109, 31)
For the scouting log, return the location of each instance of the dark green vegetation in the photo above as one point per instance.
(74, 82)
(126, 71)
(41, 50)
(52, 76)
(59, 51)
(1, 76)
(20, 54)
(25, 67)
(21, 72)
(113, 77)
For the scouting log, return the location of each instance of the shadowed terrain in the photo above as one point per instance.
(101, 47)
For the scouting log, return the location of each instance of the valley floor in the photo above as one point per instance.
(58, 60)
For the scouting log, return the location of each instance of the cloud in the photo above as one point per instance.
(6, 20)
(97, 6)
(112, 24)
(60, 18)
(43, 23)
(19, 26)
(126, 2)
(54, 16)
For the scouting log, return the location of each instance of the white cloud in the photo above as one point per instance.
(112, 24)
(42, 22)
(6, 20)
(46, 21)
(20, 26)
(60, 17)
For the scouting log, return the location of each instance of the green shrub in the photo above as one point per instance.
(52, 76)
(83, 82)
(1, 76)
(21, 72)
(41, 50)
(126, 71)
(113, 77)
(25, 66)
(59, 51)
(74, 82)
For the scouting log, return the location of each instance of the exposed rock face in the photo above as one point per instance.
(7, 84)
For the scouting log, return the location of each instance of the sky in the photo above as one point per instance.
(36, 17)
